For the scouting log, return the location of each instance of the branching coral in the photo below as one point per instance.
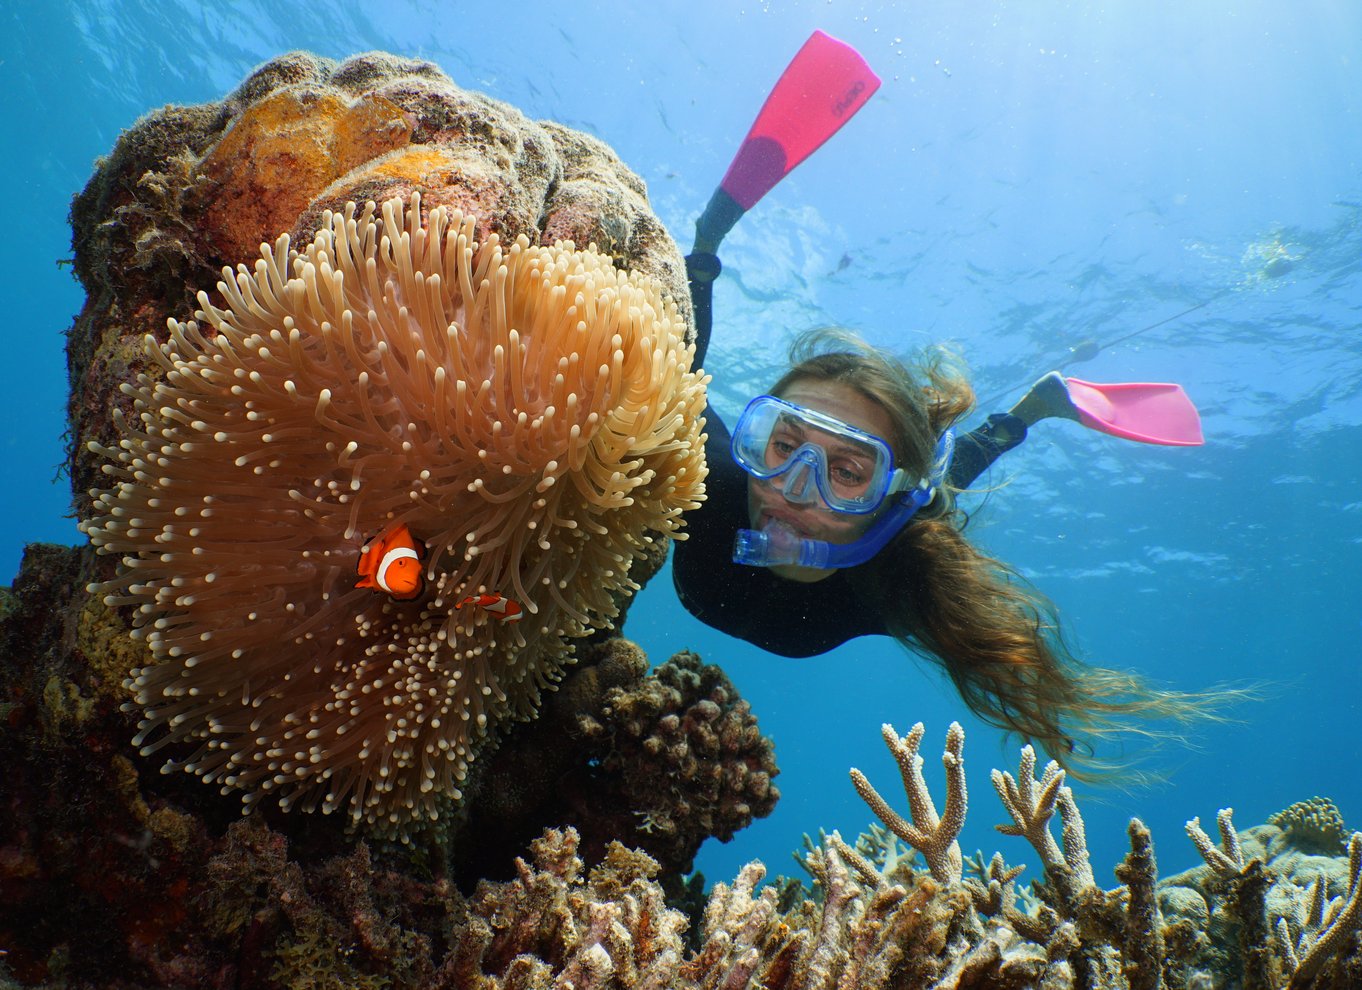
(548, 927)
(528, 413)
(266, 911)
(931, 834)
(553, 927)
(1325, 928)
(1031, 803)
(1247, 885)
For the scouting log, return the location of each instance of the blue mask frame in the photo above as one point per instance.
(777, 544)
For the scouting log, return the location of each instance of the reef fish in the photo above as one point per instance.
(392, 562)
(496, 604)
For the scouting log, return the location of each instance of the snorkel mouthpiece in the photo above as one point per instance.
(777, 543)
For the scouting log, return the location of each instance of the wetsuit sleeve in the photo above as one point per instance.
(978, 449)
(701, 271)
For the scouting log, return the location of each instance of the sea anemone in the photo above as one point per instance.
(529, 413)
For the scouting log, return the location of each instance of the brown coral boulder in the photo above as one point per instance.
(686, 740)
(188, 190)
(658, 760)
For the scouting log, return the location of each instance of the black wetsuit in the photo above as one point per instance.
(790, 618)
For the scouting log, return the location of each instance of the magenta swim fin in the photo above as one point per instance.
(820, 90)
(1147, 412)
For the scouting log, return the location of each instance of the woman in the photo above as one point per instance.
(839, 489)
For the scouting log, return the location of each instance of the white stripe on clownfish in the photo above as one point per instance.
(386, 564)
(390, 558)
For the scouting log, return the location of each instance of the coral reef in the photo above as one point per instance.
(935, 929)
(658, 763)
(690, 742)
(1271, 903)
(1313, 824)
(865, 929)
(244, 906)
(114, 875)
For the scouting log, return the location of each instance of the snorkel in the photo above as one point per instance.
(777, 543)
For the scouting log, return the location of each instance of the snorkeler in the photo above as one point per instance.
(802, 537)
(830, 510)
(830, 513)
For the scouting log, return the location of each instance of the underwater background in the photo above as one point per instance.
(1030, 177)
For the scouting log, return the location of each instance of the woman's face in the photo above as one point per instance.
(816, 521)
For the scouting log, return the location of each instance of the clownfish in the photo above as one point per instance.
(496, 604)
(392, 562)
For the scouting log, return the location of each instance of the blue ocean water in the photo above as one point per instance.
(1029, 177)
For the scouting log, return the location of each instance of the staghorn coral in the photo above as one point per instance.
(1246, 885)
(1083, 936)
(1031, 804)
(551, 927)
(528, 413)
(1325, 929)
(1276, 904)
(931, 834)
(877, 857)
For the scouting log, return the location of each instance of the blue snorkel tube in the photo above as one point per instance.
(777, 543)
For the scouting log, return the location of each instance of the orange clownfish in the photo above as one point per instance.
(392, 562)
(496, 604)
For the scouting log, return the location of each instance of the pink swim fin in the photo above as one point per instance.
(1148, 412)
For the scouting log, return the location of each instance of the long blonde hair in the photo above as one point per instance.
(996, 637)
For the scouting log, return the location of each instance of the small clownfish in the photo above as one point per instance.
(496, 604)
(392, 562)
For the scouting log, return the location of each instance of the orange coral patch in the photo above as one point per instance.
(443, 176)
(284, 150)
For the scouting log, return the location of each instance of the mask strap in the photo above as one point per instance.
(941, 463)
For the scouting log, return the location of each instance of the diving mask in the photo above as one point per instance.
(812, 456)
(777, 543)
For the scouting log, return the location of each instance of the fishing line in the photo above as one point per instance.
(1086, 350)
